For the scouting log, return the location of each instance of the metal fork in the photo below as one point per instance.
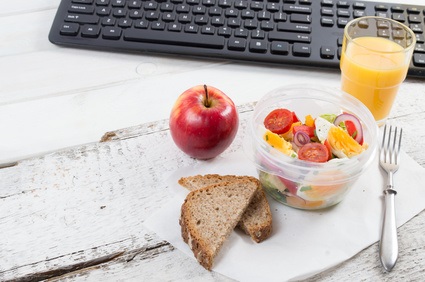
(389, 159)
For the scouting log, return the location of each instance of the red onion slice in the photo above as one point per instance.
(349, 117)
(301, 138)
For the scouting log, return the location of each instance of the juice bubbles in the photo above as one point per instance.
(373, 66)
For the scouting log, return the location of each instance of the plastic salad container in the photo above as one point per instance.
(304, 184)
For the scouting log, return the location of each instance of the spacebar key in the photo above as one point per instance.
(174, 38)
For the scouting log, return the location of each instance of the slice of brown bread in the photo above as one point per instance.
(208, 216)
(257, 219)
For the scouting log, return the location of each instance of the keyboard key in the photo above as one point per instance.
(281, 48)
(208, 30)
(258, 46)
(92, 31)
(168, 17)
(82, 1)
(343, 13)
(419, 60)
(135, 4)
(175, 27)
(241, 4)
(381, 7)
(124, 23)
(325, 21)
(141, 24)
(289, 36)
(420, 38)
(327, 52)
(118, 3)
(415, 19)
(103, 11)
(398, 17)
(267, 25)
(327, 3)
(241, 32)
(359, 5)
(258, 34)
(343, 4)
(300, 18)
(413, 10)
(224, 3)
(81, 9)
(342, 22)
(224, 31)
(119, 12)
(358, 13)
(272, 7)
(108, 21)
(111, 33)
(302, 50)
(296, 9)
(420, 48)
(294, 27)
(158, 25)
(191, 28)
(280, 17)
(69, 29)
(102, 2)
(167, 7)
(327, 11)
(82, 19)
(250, 24)
(238, 44)
(164, 37)
(257, 5)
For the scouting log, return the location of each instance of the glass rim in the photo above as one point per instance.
(405, 27)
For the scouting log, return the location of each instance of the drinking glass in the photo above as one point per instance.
(375, 58)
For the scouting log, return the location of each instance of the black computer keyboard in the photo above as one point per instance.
(297, 32)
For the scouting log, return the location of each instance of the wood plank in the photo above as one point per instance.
(74, 206)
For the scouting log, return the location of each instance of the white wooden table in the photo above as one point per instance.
(72, 207)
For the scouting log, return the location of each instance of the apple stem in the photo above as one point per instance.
(207, 100)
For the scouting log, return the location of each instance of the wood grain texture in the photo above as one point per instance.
(77, 214)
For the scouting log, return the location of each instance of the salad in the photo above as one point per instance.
(335, 138)
(318, 139)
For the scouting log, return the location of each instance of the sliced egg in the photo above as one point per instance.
(279, 143)
(322, 128)
(342, 144)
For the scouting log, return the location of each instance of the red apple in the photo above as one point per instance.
(203, 122)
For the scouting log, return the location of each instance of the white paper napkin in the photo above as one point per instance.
(303, 243)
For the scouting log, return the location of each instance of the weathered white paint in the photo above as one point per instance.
(86, 201)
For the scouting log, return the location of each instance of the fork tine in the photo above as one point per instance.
(383, 151)
(390, 147)
(397, 151)
(388, 157)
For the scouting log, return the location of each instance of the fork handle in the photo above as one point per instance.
(388, 247)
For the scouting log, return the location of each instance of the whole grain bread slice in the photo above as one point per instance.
(257, 219)
(208, 216)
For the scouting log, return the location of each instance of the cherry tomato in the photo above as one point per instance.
(307, 129)
(294, 117)
(352, 130)
(314, 152)
(328, 146)
(279, 121)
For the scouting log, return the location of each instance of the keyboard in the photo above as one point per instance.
(283, 32)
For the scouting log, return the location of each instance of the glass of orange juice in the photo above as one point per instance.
(375, 58)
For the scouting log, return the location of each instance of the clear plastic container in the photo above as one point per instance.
(301, 184)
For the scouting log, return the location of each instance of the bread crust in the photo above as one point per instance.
(257, 220)
(209, 214)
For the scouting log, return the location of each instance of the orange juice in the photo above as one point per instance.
(372, 70)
